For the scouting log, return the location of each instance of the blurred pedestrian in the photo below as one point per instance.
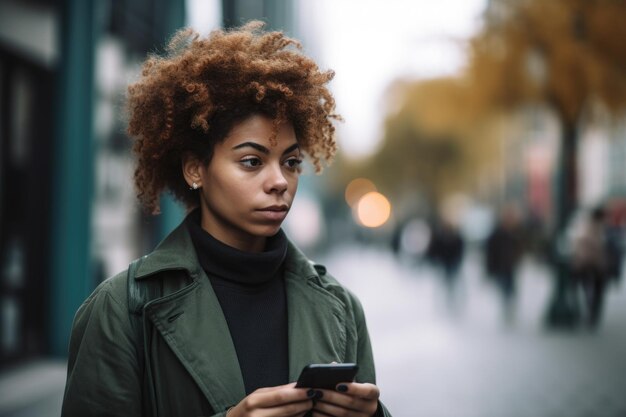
(396, 239)
(503, 250)
(591, 262)
(445, 250)
(615, 227)
(537, 237)
(222, 316)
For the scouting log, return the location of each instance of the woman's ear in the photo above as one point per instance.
(192, 170)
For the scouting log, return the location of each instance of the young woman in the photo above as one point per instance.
(222, 316)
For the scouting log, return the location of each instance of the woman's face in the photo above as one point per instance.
(249, 185)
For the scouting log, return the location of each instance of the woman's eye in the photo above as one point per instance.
(251, 162)
(293, 162)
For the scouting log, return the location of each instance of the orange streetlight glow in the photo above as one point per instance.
(373, 210)
(357, 189)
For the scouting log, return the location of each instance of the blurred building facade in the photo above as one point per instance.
(68, 212)
(27, 88)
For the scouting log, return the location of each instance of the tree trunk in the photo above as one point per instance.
(564, 310)
(567, 176)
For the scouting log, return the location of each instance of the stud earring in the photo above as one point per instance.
(194, 186)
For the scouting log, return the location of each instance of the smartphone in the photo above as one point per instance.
(326, 375)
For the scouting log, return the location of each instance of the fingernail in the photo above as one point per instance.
(319, 395)
(311, 393)
(342, 388)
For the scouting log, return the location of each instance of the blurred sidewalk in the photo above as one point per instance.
(466, 361)
(437, 361)
(34, 389)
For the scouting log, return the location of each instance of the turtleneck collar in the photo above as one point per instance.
(223, 261)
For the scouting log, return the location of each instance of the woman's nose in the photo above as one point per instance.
(276, 181)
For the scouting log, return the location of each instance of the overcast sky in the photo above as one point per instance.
(369, 43)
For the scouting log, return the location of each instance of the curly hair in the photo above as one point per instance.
(189, 99)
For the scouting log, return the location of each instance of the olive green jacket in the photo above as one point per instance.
(189, 355)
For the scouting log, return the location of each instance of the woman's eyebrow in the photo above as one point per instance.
(291, 148)
(253, 145)
(263, 149)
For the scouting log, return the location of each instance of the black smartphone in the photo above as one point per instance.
(326, 375)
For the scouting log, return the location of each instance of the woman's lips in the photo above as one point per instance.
(274, 213)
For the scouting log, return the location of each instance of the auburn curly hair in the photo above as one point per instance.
(189, 99)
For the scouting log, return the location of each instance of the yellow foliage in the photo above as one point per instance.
(436, 144)
(567, 53)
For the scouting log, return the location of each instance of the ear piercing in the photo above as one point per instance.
(194, 186)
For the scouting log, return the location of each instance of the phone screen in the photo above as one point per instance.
(326, 376)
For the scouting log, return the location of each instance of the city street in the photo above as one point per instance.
(463, 360)
(441, 358)
(455, 128)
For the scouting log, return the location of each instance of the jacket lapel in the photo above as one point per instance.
(316, 318)
(193, 325)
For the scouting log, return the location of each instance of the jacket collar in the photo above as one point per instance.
(199, 335)
(176, 251)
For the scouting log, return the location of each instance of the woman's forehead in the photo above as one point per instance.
(260, 129)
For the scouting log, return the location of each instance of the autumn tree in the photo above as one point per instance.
(566, 54)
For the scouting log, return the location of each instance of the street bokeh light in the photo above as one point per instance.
(373, 210)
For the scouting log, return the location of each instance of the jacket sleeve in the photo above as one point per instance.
(103, 375)
(365, 357)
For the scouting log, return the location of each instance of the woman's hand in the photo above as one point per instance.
(350, 400)
(283, 400)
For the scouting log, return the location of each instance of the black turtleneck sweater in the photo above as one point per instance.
(251, 291)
